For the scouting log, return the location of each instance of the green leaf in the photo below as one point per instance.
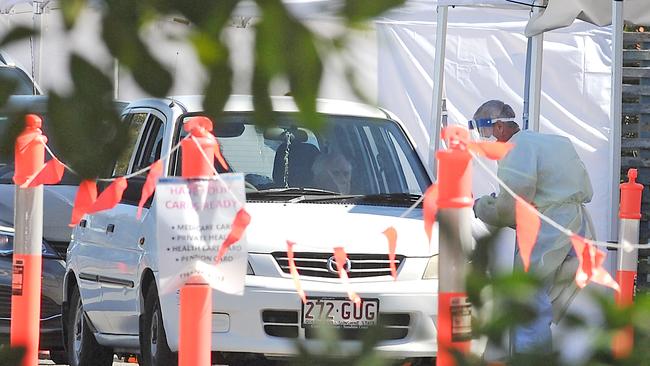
(86, 125)
(17, 34)
(263, 108)
(70, 11)
(361, 10)
(209, 16)
(218, 89)
(120, 32)
(285, 47)
(304, 69)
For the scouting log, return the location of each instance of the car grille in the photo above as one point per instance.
(49, 308)
(286, 324)
(315, 264)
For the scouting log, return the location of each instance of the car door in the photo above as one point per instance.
(124, 244)
(90, 252)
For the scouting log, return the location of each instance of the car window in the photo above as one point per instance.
(150, 144)
(135, 122)
(352, 155)
(25, 85)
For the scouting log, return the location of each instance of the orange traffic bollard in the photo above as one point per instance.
(629, 215)
(455, 212)
(28, 223)
(195, 343)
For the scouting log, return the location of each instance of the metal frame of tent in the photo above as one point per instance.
(532, 87)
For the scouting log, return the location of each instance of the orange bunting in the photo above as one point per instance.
(217, 154)
(591, 264)
(430, 208)
(528, 224)
(391, 235)
(51, 173)
(110, 196)
(491, 150)
(239, 224)
(341, 259)
(149, 185)
(294, 272)
(86, 196)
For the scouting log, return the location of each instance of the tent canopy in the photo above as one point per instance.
(562, 13)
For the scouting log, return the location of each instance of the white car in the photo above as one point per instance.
(358, 175)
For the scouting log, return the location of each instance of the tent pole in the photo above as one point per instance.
(438, 81)
(616, 113)
(536, 44)
(526, 112)
(37, 18)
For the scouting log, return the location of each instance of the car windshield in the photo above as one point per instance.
(348, 156)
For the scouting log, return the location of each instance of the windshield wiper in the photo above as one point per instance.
(295, 194)
(399, 198)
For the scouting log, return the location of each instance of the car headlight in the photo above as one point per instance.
(249, 269)
(7, 246)
(431, 272)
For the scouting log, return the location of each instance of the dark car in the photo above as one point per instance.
(51, 295)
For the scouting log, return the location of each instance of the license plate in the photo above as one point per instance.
(339, 312)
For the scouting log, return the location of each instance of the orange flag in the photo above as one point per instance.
(294, 272)
(217, 154)
(239, 224)
(591, 264)
(391, 235)
(51, 173)
(86, 196)
(491, 150)
(341, 259)
(149, 185)
(430, 208)
(110, 197)
(528, 224)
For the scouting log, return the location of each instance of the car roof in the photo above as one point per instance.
(244, 103)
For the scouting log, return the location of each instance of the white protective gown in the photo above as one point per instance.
(547, 172)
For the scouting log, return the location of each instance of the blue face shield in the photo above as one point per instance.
(483, 126)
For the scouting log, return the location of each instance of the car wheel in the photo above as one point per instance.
(83, 348)
(153, 339)
(59, 357)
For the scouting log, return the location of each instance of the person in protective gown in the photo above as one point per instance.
(547, 172)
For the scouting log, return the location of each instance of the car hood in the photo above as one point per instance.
(318, 227)
(57, 208)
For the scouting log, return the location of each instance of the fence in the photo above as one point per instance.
(635, 146)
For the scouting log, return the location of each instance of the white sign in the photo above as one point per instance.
(194, 217)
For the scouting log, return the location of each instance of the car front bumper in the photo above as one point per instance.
(243, 324)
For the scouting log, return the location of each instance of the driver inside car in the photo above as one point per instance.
(332, 172)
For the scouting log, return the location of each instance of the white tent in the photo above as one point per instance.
(394, 62)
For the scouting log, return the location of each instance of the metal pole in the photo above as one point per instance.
(438, 81)
(535, 87)
(526, 112)
(37, 51)
(616, 113)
